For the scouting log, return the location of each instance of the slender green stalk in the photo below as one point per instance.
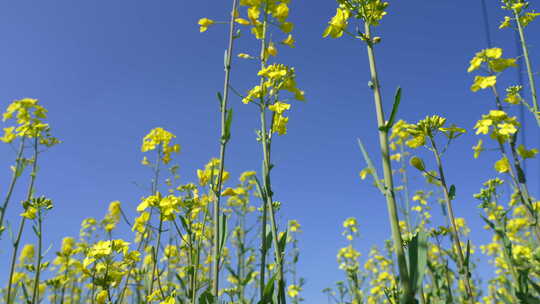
(266, 141)
(264, 166)
(156, 251)
(14, 178)
(17, 241)
(223, 145)
(387, 169)
(66, 271)
(463, 267)
(35, 293)
(530, 73)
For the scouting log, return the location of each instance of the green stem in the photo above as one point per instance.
(66, 271)
(532, 83)
(14, 178)
(268, 196)
(17, 241)
(263, 135)
(156, 251)
(35, 293)
(223, 145)
(387, 169)
(463, 267)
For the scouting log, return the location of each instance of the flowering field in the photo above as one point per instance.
(384, 160)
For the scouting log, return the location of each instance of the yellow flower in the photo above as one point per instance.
(102, 297)
(484, 56)
(478, 148)
(205, 23)
(27, 253)
(254, 13)
(280, 124)
(293, 290)
(228, 192)
(289, 41)
(528, 18)
(29, 213)
(364, 173)
(338, 24)
(350, 222)
(159, 137)
(271, 49)
(294, 226)
(281, 12)
(244, 56)
(242, 21)
(502, 165)
(505, 23)
(279, 107)
(416, 142)
(481, 82)
(246, 175)
(100, 249)
(506, 128)
(501, 64)
(493, 53)
(512, 95)
(9, 136)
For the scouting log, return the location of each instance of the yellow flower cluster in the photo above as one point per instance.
(160, 139)
(277, 78)
(495, 64)
(428, 127)
(370, 11)
(210, 173)
(520, 12)
(498, 124)
(29, 117)
(256, 12)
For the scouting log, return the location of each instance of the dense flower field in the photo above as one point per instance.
(219, 238)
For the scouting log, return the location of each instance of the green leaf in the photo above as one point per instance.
(467, 257)
(220, 99)
(397, 101)
(417, 251)
(282, 243)
(369, 163)
(228, 122)
(452, 192)
(268, 239)
(207, 298)
(268, 291)
(224, 227)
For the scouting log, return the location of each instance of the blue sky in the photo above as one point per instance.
(109, 71)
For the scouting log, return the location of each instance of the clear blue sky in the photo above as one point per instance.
(109, 71)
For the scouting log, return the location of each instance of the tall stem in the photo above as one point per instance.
(463, 268)
(387, 169)
(35, 293)
(17, 241)
(14, 178)
(268, 207)
(264, 250)
(530, 73)
(156, 251)
(223, 145)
